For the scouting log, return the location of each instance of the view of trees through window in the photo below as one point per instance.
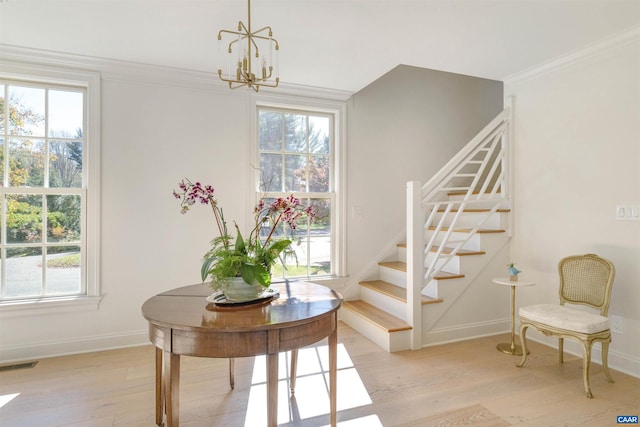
(41, 157)
(296, 157)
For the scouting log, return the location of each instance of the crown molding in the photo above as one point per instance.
(593, 50)
(127, 71)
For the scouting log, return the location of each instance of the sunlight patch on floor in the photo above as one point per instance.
(311, 398)
(6, 398)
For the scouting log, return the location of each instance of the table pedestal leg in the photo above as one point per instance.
(272, 390)
(159, 388)
(511, 348)
(294, 370)
(171, 387)
(333, 374)
(232, 381)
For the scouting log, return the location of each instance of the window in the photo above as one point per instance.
(296, 154)
(44, 171)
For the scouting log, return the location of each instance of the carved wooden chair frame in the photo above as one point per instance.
(586, 280)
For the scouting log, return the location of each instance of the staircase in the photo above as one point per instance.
(457, 230)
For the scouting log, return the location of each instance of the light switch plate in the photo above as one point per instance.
(628, 212)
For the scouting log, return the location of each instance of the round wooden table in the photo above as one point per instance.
(182, 322)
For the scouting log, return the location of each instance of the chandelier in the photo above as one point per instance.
(252, 56)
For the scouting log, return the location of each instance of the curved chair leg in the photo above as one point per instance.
(523, 344)
(586, 364)
(561, 350)
(605, 360)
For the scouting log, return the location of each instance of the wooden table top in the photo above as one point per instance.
(185, 308)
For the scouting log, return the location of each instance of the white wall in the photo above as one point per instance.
(577, 156)
(158, 126)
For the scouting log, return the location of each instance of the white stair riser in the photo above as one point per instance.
(473, 244)
(480, 203)
(431, 290)
(391, 342)
(497, 220)
(383, 302)
(393, 276)
(480, 242)
(451, 265)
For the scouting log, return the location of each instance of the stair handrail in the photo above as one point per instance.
(430, 186)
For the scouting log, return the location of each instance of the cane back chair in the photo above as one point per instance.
(585, 280)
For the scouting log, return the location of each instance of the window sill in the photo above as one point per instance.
(49, 305)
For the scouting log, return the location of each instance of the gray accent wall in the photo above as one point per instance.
(404, 127)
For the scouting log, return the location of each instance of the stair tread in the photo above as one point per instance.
(468, 230)
(443, 275)
(461, 252)
(394, 291)
(477, 210)
(462, 193)
(402, 266)
(378, 317)
(396, 265)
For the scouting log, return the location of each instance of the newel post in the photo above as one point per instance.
(415, 261)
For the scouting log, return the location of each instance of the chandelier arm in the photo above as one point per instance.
(254, 36)
(235, 33)
(262, 29)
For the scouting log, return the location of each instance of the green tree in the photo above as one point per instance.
(26, 168)
(66, 161)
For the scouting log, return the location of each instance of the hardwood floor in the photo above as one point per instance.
(466, 383)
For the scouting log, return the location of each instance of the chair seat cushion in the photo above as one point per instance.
(562, 317)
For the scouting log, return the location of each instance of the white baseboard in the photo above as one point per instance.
(439, 336)
(63, 348)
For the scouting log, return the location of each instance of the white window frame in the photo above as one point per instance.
(338, 110)
(89, 81)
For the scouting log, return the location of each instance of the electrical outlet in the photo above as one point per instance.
(616, 324)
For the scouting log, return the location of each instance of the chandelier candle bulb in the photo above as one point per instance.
(219, 47)
(239, 50)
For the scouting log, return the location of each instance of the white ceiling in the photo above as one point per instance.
(337, 44)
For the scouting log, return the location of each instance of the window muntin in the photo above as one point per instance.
(42, 247)
(296, 156)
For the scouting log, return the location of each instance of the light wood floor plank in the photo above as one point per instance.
(466, 383)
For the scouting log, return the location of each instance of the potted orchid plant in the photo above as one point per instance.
(244, 258)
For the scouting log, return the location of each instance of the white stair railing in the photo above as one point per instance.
(475, 180)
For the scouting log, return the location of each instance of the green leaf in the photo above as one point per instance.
(279, 246)
(206, 266)
(255, 273)
(262, 275)
(239, 245)
(246, 271)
